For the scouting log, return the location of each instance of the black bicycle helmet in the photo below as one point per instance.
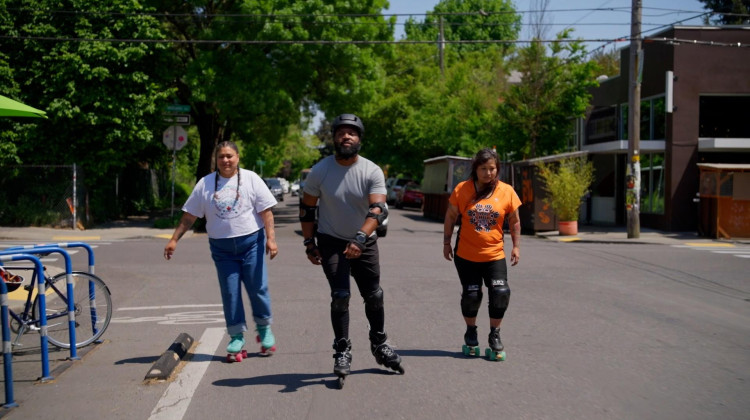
(348, 119)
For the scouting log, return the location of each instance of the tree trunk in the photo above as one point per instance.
(210, 132)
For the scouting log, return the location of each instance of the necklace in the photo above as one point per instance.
(216, 184)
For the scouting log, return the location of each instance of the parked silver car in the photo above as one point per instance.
(276, 189)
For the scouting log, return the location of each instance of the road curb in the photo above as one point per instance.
(165, 365)
(599, 241)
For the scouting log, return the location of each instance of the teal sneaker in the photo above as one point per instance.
(236, 343)
(266, 339)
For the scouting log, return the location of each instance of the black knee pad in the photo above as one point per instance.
(340, 300)
(471, 299)
(374, 301)
(499, 298)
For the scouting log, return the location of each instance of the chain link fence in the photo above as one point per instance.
(59, 195)
(41, 195)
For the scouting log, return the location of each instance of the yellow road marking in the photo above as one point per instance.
(164, 236)
(709, 244)
(20, 294)
(570, 239)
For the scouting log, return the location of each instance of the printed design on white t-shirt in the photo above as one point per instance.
(482, 217)
(227, 202)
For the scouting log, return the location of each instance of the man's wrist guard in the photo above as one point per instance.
(307, 213)
(380, 218)
(359, 245)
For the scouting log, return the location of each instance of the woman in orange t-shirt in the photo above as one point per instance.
(483, 202)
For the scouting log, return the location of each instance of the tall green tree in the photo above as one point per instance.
(468, 20)
(728, 12)
(102, 98)
(294, 151)
(537, 113)
(426, 112)
(10, 129)
(259, 83)
(608, 61)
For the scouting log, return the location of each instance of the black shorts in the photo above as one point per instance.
(475, 273)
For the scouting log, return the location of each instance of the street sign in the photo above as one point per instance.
(179, 119)
(175, 137)
(177, 108)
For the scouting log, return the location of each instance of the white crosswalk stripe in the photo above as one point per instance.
(740, 251)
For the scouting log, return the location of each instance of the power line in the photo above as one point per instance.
(603, 46)
(281, 17)
(624, 9)
(679, 41)
(606, 41)
(353, 42)
(271, 42)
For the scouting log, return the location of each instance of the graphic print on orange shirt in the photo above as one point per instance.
(483, 217)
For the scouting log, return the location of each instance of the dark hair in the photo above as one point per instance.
(483, 156)
(223, 144)
(218, 147)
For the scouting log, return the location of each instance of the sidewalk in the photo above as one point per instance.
(619, 235)
(118, 230)
(137, 229)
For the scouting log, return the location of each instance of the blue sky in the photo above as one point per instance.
(587, 24)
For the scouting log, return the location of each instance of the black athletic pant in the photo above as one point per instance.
(366, 273)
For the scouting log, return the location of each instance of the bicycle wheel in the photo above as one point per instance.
(93, 309)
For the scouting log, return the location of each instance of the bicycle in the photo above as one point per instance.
(91, 297)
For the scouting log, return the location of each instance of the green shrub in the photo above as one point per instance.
(168, 222)
(566, 182)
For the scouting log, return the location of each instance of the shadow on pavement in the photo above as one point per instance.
(430, 353)
(292, 382)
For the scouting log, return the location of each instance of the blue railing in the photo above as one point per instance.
(49, 249)
(27, 253)
(7, 350)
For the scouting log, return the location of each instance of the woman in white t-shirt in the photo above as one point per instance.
(237, 206)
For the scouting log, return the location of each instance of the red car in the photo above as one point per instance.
(409, 196)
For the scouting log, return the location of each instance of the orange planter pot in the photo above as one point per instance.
(568, 228)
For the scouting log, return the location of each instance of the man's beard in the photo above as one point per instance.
(347, 152)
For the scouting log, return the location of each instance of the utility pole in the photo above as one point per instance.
(633, 172)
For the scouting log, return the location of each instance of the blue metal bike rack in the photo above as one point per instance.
(7, 348)
(91, 270)
(27, 252)
(84, 245)
(39, 268)
(48, 249)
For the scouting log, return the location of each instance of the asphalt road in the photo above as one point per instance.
(594, 331)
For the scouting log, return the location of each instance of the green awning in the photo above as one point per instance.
(11, 108)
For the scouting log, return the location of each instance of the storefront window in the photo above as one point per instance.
(602, 125)
(653, 119)
(652, 183)
(660, 119)
(645, 120)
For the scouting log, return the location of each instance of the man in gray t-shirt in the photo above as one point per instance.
(343, 193)
(347, 191)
